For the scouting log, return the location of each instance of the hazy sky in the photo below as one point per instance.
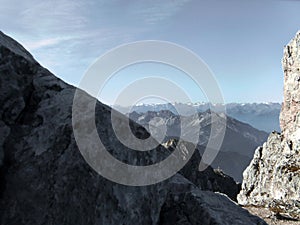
(241, 41)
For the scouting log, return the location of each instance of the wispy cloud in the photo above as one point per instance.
(50, 22)
(55, 16)
(42, 43)
(158, 11)
(64, 34)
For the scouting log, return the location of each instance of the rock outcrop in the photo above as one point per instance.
(290, 113)
(273, 177)
(45, 180)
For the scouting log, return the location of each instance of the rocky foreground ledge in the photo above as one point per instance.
(273, 178)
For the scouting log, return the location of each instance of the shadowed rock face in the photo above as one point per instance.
(273, 177)
(45, 180)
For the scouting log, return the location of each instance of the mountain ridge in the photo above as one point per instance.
(240, 138)
(262, 116)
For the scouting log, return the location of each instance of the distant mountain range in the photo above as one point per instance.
(239, 143)
(262, 116)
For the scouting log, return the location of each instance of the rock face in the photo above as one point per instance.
(290, 113)
(273, 177)
(45, 180)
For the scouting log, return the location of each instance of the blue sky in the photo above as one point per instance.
(241, 41)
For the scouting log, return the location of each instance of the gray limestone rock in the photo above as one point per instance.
(273, 177)
(290, 113)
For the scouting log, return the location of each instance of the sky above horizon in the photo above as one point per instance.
(240, 41)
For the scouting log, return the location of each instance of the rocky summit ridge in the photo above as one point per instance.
(273, 177)
(45, 180)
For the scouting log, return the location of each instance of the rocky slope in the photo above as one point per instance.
(45, 180)
(237, 148)
(273, 177)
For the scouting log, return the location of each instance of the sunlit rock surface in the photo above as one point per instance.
(273, 177)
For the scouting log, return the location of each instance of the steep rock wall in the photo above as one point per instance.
(273, 177)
